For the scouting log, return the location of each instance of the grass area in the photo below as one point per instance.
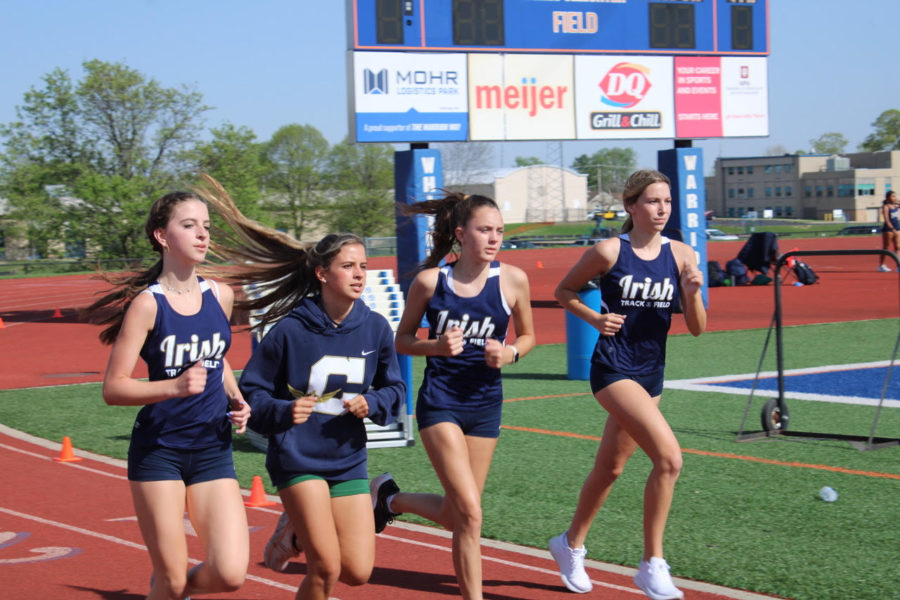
(783, 227)
(743, 523)
(575, 228)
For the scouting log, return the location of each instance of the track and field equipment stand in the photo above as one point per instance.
(775, 416)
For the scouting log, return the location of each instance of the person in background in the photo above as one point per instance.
(890, 229)
(642, 274)
(180, 453)
(468, 304)
(326, 364)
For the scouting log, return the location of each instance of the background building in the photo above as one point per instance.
(803, 186)
(532, 194)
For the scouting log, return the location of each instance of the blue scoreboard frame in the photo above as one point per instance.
(667, 27)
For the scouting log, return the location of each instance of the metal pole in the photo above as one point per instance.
(779, 348)
(887, 376)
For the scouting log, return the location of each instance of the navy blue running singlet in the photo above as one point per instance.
(645, 291)
(174, 344)
(465, 381)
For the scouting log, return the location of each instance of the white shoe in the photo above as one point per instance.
(280, 548)
(884, 269)
(654, 580)
(571, 564)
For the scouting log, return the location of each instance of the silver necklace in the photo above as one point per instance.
(177, 291)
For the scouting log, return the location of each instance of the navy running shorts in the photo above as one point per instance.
(484, 422)
(156, 463)
(602, 376)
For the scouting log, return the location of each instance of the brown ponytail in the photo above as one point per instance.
(452, 211)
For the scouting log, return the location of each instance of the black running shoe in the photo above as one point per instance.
(381, 488)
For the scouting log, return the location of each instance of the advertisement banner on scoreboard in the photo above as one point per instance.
(521, 97)
(745, 97)
(698, 97)
(624, 97)
(419, 97)
(409, 97)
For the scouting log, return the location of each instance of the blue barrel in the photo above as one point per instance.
(581, 338)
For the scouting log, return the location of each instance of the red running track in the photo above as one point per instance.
(67, 530)
(40, 346)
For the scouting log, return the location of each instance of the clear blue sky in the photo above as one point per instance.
(267, 63)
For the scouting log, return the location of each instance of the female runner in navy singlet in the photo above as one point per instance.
(468, 305)
(642, 275)
(327, 363)
(180, 453)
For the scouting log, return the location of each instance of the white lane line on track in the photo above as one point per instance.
(56, 446)
(688, 584)
(437, 533)
(127, 543)
(510, 563)
(72, 464)
(74, 528)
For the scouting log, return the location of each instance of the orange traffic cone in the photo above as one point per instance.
(66, 454)
(2, 326)
(258, 494)
(540, 264)
(57, 314)
(791, 261)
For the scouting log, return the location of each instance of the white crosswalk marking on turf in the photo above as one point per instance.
(721, 384)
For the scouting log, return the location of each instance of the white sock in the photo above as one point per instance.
(387, 504)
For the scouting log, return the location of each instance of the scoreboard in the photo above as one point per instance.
(535, 70)
(668, 27)
(530, 70)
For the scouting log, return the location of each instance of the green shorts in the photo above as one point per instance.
(336, 488)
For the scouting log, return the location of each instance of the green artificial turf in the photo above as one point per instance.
(745, 515)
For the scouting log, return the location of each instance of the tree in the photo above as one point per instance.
(140, 126)
(887, 133)
(99, 150)
(527, 161)
(829, 143)
(296, 158)
(235, 159)
(37, 222)
(463, 160)
(117, 207)
(613, 165)
(361, 177)
(43, 150)
(361, 166)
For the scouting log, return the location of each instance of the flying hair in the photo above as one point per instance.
(282, 267)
